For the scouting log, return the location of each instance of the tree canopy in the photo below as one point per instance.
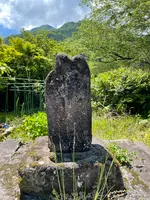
(115, 34)
(133, 14)
(28, 56)
(118, 31)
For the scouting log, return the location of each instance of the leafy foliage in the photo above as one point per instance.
(123, 90)
(4, 69)
(118, 31)
(122, 155)
(29, 56)
(32, 126)
(132, 14)
(35, 125)
(114, 45)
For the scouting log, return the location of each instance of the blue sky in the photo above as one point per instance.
(4, 32)
(17, 14)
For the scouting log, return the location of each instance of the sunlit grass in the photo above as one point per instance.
(104, 126)
(121, 127)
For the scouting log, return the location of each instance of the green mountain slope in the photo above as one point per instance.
(61, 33)
(67, 29)
(58, 34)
(43, 27)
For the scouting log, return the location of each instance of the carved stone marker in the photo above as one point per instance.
(68, 105)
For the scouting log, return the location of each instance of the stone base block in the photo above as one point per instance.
(45, 174)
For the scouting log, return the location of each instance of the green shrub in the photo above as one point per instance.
(122, 155)
(32, 126)
(123, 90)
(35, 125)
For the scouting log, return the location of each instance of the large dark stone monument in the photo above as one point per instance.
(81, 166)
(68, 104)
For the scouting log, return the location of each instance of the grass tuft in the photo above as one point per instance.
(121, 127)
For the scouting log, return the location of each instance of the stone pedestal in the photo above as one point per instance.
(43, 174)
(68, 105)
(74, 167)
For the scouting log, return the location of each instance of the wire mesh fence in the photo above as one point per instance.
(20, 96)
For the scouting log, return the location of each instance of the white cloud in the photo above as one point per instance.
(30, 13)
(29, 27)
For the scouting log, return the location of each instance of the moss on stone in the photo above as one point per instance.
(10, 179)
(136, 179)
(53, 157)
(60, 165)
(34, 164)
(32, 153)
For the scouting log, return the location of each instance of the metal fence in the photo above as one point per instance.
(21, 95)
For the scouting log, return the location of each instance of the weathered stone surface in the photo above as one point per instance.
(141, 163)
(10, 161)
(68, 105)
(136, 180)
(40, 175)
(7, 149)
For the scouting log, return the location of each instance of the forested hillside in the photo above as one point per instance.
(58, 34)
(41, 28)
(110, 38)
